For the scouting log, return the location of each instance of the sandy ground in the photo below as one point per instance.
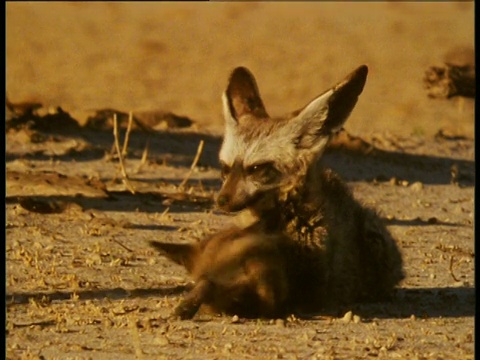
(82, 282)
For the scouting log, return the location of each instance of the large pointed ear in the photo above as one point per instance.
(326, 114)
(242, 96)
(182, 254)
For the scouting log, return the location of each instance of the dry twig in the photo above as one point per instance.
(143, 161)
(194, 164)
(123, 246)
(126, 181)
(145, 152)
(450, 269)
(127, 134)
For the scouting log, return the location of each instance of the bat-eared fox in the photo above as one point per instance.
(309, 244)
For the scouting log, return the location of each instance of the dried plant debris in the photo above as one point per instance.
(51, 183)
(460, 175)
(159, 120)
(26, 115)
(43, 206)
(346, 142)
(103, 120)
(456, 77)
(147, 121)
(449, 133)
(20, 109)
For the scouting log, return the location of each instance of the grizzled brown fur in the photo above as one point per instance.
(250, 273)
(310, 244)
(272, 169)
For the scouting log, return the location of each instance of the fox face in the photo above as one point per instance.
(261, 155)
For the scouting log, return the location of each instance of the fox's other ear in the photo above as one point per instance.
(182, 254)
(327, 113)
(242, 96)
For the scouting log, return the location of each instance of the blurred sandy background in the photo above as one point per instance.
(177, 57)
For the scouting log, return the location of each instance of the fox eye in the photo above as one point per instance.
(262, 169)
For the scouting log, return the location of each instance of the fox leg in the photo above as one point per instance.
(269, 303)
(271, 287)
(193, 300)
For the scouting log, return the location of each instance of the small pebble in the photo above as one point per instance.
(356, 319)
(458, 284)
(161, 341)
(235, 319)
(347, 317)
(417, 186)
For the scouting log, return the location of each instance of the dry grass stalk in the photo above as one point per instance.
(143, 161)
(450, 269)
(145, 152)
(120, 157)
(194, 164)
(127, 135)
(164, 213)
(123, 246)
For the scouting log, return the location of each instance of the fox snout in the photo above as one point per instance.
(223, 201)
(236, 199)
(232, 198)
(237, 191)
(247, 185)
(226, 204)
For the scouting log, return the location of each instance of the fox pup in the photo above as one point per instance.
(235, 271)
(271, 167)
(248, 272)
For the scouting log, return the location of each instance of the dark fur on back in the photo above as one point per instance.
(259, 272)
(250, 273)
(362, 260)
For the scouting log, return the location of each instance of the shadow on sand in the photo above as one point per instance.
(420, 302)
(178, 148)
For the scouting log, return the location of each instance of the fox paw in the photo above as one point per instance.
(184, 312)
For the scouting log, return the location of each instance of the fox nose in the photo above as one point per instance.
(222, 200)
